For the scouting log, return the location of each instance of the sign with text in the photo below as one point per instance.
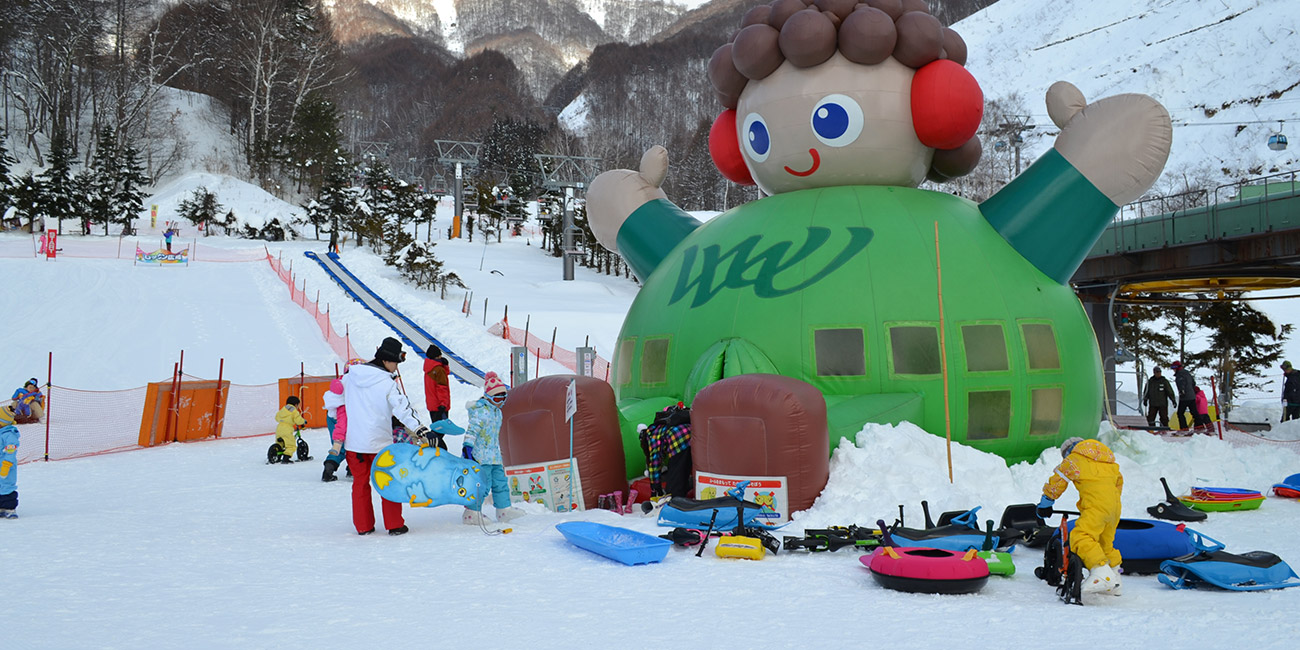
(554, 484)
(767, 491)
(161, 256)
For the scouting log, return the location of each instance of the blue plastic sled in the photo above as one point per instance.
(1146, 543)
(426, 476)
(1289, 487)
(1211, 565)
(952, 536)
(620, 544)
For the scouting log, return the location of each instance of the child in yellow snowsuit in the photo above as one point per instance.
(287, 420)
(1091, 466)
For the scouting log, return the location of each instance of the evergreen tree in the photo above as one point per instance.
(1243, 344)
(56, 197)
(26, 196)
(402, 211)
(201, 209)
(418, 264)
(1140, 328)
(313, 144)
(82, 193)
(426, 209)
(378, 204)
(102, 181)
(337, 200)
(128, 200)
(7, 182)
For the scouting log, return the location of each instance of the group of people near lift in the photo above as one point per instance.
(1187, 397)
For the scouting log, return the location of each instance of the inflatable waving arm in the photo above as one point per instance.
(1108, 153)
(631, 216)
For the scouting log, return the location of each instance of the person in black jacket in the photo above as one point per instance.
(1158, 395)
(1186, 392)
(1290, 392)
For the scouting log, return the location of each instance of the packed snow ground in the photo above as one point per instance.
(204, 545)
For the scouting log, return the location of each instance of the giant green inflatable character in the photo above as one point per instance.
(838, 111)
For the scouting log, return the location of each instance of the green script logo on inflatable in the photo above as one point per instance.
(770, 262)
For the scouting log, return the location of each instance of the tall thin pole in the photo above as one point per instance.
(1218, 414)
(459, 205)
(49, 397)
(568, 233)
(943, 352)
(216, 411)
(180, 380)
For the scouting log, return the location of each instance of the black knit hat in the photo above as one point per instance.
(390, 350)
(433, 352)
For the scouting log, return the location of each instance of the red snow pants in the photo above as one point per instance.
(363, 510)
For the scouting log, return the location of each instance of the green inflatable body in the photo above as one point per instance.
(833, 278)
(838, 287)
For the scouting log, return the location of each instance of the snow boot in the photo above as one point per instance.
(471, 518)
(328, 474)
(400, 530)
(1119, 583)
(286, 459)
(8, 514)
(1100, 580)
(509, 514)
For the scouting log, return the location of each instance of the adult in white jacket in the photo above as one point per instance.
(372, 399)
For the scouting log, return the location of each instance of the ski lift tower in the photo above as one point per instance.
(568, 173)
(460, 154)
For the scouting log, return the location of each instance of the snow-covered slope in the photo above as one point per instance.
(1227, 70)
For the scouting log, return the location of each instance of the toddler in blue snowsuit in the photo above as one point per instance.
(482, 444)
(8, 463)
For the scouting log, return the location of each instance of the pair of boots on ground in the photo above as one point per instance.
(1102, 580)
(332, 466)
(475, 517)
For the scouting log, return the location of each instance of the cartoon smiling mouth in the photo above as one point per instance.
(817, 161)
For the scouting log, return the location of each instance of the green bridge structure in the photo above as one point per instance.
(1242, 236)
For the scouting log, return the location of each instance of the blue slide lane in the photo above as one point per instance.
(410, 333)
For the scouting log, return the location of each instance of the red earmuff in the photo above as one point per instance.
(947, 105)
(724, 148)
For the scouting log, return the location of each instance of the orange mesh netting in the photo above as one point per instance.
(543, 349)
(341, 344)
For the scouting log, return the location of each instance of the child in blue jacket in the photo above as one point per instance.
(8, 463)
(482, 444)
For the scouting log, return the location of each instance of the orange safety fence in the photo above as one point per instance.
(1239, 438)
(101, 247)
(540, 348)
(341, 344)
(89, 423)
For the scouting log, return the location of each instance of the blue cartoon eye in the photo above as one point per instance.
(837, 120)
(757, 141)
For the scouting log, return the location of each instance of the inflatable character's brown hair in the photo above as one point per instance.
(808, 32)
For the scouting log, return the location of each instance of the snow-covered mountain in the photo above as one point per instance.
(1227, 70)
(544, 38)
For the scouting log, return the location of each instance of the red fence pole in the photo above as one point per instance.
(216, 411)
(49, 397)
(1218, 420)
(172, 402)
(180, 378)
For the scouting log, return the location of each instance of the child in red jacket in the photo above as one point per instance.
(437, 389)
